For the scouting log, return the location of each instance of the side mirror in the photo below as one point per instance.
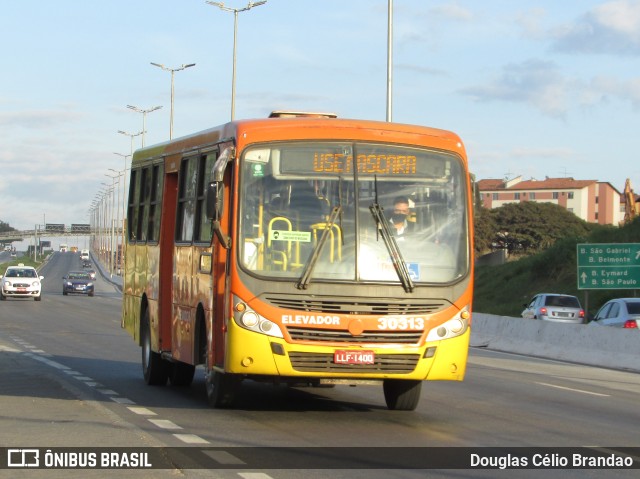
(214, 200)
(214, 206)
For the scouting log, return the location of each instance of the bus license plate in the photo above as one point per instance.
(345, 356)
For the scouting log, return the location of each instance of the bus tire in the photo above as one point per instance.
(402, 394)
(181, 374)
(221, 389)
(154, 368)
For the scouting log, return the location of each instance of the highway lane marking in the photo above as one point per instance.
(191, 439)
(164, 424)
(574, 390)
(8, 349)
(142, 411)
(108, 392)
(40, 355)
(254, 475)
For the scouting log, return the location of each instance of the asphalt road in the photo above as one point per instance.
(70, 377)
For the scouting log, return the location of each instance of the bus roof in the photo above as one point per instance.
(312, 126)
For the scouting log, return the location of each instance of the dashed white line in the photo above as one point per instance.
(254, 475)
(8, 349)
(143, 411)
(574, 390)
(191, 439)
(108, 392)
(164, 424)
(220, 456)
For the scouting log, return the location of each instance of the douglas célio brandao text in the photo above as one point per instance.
(550, 461)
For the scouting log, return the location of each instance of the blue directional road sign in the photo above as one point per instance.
(608, 265)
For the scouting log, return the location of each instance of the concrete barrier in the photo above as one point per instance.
(580, 343)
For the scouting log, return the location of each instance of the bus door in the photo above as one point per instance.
(192, 281)
(166, 244)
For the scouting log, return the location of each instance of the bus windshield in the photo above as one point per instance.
(294, 193)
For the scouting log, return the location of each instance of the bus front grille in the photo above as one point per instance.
(353, 305)
(323, 363)
(367, 337)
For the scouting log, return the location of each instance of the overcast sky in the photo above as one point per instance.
(534, 88)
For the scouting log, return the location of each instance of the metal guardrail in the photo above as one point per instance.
(8, 236)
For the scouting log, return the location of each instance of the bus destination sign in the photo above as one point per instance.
(608, 265)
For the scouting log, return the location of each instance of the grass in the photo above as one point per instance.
(26, 260)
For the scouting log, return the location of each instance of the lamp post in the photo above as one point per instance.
(173, 71)
(389, 59)
(124, 201)
(132, 135)
(235, 11)
(144, 116)
(109, 189)
(116, 209)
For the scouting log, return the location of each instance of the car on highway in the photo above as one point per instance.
(77, 282)
(21, 282)
(92, 273)
(619, 313)
(561, 308)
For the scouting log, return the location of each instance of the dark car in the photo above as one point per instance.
(620, 313)
(77, 282)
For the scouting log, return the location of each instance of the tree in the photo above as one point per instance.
(484, 229)
(4, 227)
(529, 227)
(526, 227)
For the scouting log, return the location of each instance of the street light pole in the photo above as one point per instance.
(172, 70)
(144, 117)
(235, 11)
(124, 201)
(389, 59)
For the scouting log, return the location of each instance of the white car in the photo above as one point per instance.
(561, 308)
(620, 313)
(21, 282)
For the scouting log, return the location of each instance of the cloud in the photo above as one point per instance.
(610, 28)
(535, 82)
(38, 119)
(452, 11)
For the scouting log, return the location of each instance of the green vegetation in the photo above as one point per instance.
(4, 227)
(26, 260)
(504, 289)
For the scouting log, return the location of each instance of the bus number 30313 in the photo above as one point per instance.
(400, 323)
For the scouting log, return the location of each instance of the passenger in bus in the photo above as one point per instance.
(399, 218)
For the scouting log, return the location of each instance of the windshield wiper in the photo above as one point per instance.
(313, 259)
(383, 229)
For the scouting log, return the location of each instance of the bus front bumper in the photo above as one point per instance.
(255, 354)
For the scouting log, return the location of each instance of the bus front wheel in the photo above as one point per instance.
(154, 368)
(402, 394)
(221, 388)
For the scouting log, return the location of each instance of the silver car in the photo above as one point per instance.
(561, 308)
(620, 313)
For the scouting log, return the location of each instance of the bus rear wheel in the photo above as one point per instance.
(154, 368)
(221, 388)
(402, 394)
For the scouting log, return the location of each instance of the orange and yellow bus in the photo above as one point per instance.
(302, 249)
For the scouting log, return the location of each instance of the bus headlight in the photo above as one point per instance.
(247, 318)
(452, 328)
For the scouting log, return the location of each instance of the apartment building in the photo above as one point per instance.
(593, 201)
